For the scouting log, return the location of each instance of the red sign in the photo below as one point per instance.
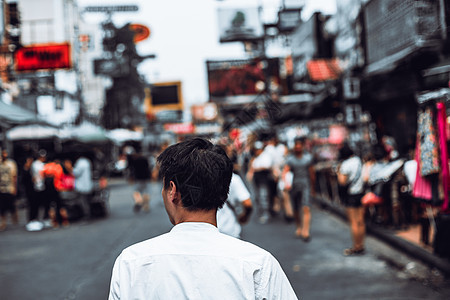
(141, 32)
(180, 128)
(42, 57)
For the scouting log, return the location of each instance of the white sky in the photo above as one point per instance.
(184, 34)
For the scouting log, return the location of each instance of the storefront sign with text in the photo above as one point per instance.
(42, 57)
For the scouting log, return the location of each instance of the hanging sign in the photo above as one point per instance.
(141, 32)
(42, 57)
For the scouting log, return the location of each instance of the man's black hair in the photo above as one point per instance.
(200, 170)
(345, 152)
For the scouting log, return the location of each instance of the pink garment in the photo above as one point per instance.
(422, 186)
(442, 122)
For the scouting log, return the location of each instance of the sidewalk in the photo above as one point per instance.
(407, 241)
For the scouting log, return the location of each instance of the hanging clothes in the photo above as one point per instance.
(442, 122)
(422, 186)
(428, 142)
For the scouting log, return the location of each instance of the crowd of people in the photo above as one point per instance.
(281, 182)
(43, 179)
(270, 180)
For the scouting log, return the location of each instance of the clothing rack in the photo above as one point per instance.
(437, 100)
(426, 97)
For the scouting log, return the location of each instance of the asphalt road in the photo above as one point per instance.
(76, 262)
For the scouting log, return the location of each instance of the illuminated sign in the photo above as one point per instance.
(42, 57)
(164, 96)
(232, 79)
(179, 128)
(141, 32)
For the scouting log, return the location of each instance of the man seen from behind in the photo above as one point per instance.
(194, 260)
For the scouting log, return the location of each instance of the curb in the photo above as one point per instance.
(396, 242)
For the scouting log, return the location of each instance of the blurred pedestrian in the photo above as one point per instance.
(194, 260)
(271, 151)
(285, 186)
(350, 176)
(84, 185)
(281, 202)
(53, 173)
(8, 190)
(237, 208)
(300, 164)
(140, 176)
(27, 183)
(260, 174)
(39, 194)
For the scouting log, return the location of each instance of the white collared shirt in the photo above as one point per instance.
(196, 261)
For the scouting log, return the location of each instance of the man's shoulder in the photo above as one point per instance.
(224, 245)
(145, 247)
(243, 249)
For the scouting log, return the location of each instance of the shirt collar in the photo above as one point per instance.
(194, 226)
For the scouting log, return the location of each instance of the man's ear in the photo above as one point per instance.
(173, 192)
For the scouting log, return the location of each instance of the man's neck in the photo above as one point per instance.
(201, 216)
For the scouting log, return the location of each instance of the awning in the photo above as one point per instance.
(324, 69)
(86, 133)
(33, 132)
(121, 135)
(12, 115)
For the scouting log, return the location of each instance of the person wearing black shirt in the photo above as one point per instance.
(140, 175)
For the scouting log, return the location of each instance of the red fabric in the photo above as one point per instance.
(371, 199)
(422, 186)
(54, 170)
(67, 182)
(442, 122)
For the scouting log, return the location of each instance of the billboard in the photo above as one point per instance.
(239, 24)
(43, 57)
(228, 79)
(164, 96)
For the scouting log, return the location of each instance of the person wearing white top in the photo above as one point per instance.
(229, 219)
(84, 184)
(40, 198)
(260, 174)
(194, 260)
(350, 172)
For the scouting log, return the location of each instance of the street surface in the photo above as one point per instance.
(76, 262)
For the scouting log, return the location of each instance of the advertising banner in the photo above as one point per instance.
(229, 79)
(239, 24)
(396, 29)
(43, 57)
